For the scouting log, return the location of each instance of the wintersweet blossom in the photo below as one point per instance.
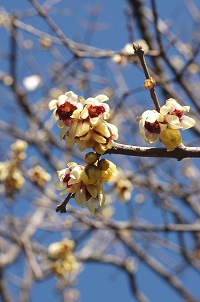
(38, 175)
(122, 186)
(174, 115)
(165, 124)
(70, 180)
(91, 195)
(150, 124)
(100, 137)
(95, 109)
(86, 182)
(63, 261)
(84, 122)
(66, 108)
(60, 249)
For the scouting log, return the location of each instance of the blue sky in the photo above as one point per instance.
(103, 282)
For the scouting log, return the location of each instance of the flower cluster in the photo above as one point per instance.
(165, 124)
(85, 183)
(39, 176)
(63, 262)
(10, 174)
(84, 122)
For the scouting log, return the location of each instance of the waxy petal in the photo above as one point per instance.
(52, 104)
(101, 98)
(82, 128)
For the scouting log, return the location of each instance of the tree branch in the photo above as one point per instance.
(179, 153)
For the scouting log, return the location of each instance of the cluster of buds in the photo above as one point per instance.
(63, 261)
(84, 122)
(165, 124)
(85, 183)
(10, 174)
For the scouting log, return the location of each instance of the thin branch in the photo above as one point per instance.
(140, 53)
(179, 153)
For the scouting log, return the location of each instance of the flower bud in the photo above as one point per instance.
(90, 175)
(171, 138)
(91, 157)
(150, 83)
(103, 164)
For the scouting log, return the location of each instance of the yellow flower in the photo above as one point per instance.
(63, 262)
(60, 249)
(91, 196)
(95, 109)
(171, 138)
(174, 115)
(65, 266)
(122, 186)
(70, 179)
(11, 177)
(66, 108)
(39, 175)
(150, 123)
(19, 146)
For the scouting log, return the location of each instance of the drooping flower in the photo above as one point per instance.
(174, 115)
(150, 124)
(70, 180)
(171, 138)
(100, 137)
(86, 182)
(91, 195)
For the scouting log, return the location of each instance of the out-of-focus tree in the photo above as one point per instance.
(144, 213)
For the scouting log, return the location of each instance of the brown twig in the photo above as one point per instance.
(179, 153)
(140, 53)
(62, 207)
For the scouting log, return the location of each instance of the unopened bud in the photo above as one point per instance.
(171, 138)
(91, 158)
(103, 164)
(150, 83)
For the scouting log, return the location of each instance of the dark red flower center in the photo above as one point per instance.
(152, 127)
(95, 111)
(66, 178)
(65, 110)
(178, 113)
